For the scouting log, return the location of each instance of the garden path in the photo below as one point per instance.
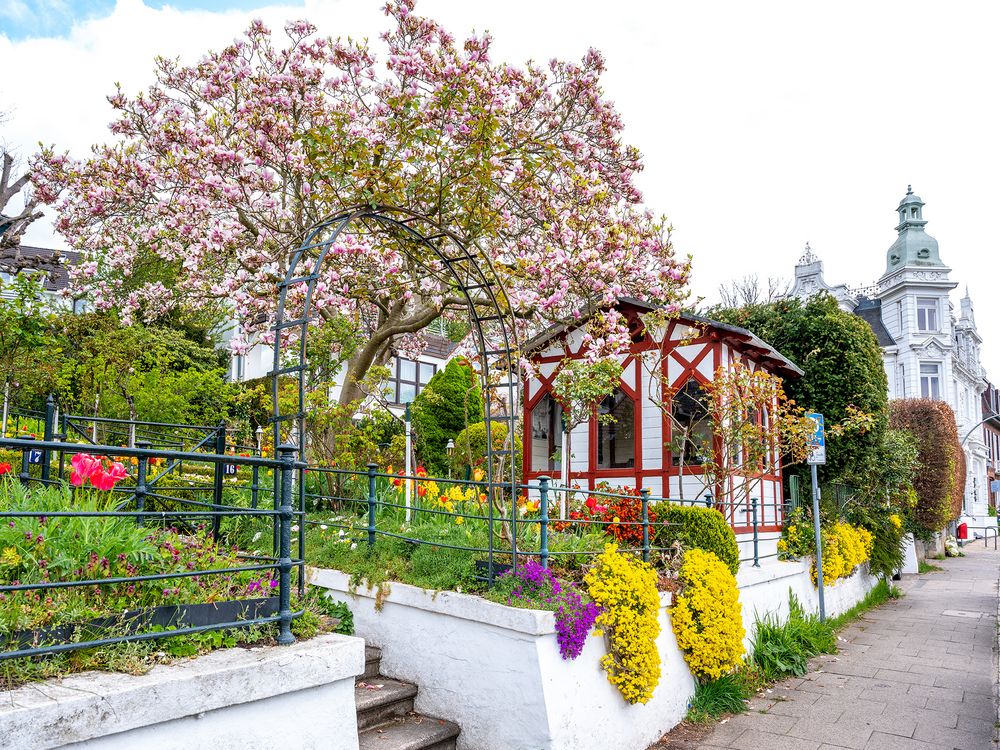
(918, 673)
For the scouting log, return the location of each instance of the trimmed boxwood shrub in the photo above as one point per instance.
(470, 446)
(698, 528)
(940, 482)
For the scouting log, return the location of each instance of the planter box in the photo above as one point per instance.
(497, 672)
(137, 620)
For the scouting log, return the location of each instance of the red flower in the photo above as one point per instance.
(4, 469)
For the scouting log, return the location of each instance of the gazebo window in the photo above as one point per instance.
(546, 434)
(616, 432)
(692, 431)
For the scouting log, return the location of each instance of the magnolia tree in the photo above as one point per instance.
(220, 168)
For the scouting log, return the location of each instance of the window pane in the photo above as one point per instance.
(407, 370)
(546, 435)
(407, 392)
(691, 431)
(616, 439)
(426, 373)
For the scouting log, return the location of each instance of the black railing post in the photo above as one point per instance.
(140, 483)
(372, 499)
(644, 493)
(753, 515)
(543, 529)
(287, 456)
(49, 431)
(25, 474)
(254, 486)
(220, 471)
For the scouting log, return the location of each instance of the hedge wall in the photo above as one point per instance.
(940, 481)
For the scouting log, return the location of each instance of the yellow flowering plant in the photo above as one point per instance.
(625, 590)
(706, 616)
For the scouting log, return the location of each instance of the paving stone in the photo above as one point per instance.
(907, 676)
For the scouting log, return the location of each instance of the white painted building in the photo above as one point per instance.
(929, 350)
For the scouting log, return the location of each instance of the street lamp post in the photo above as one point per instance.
(450, 450)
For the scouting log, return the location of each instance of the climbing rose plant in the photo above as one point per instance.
(219, 169)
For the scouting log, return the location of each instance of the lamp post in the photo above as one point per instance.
(450, 450)
(260, 440)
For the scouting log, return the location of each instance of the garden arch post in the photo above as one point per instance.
(470, 273)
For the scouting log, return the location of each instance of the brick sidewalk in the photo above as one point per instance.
(915, 674)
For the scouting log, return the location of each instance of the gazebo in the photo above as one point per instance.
(635, 448)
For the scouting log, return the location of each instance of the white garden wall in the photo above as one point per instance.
(496, 670)
(236, 699)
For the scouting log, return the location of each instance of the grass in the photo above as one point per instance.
(784, 649)
(780, 649)
(925, 567)
(727, 695)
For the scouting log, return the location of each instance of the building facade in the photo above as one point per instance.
(929, 349)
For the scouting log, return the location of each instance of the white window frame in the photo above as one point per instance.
(928, 314)
(930, 382)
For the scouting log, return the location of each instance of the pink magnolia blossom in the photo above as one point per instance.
(221, 168)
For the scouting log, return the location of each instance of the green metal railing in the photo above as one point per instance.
(133, 506)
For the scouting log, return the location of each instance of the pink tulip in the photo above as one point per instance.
(84, 465)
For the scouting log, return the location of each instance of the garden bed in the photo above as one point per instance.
(497, 672)
(471, 656)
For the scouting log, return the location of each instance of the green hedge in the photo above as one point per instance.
(470, 446)
(698, 528)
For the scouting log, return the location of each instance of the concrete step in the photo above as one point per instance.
(381, 700)
(373, 658)
(411, 732)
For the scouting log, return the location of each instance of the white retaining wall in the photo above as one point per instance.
(299, 696)
(496, 670)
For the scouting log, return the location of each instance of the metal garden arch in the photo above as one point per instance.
(491, 321)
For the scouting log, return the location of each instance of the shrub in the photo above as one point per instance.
(698, 528)
(940, 482)
(706, 616)
(449, 403)
(470, 446)
(625, 590)
(843, 368)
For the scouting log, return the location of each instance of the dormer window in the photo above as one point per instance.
(927, 314)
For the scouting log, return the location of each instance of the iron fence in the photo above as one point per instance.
(132, 501)
(510, 535)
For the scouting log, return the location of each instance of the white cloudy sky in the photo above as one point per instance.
(764, 125)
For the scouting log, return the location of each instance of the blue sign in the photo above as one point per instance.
(818, 440)
(229, 470)
(34, 456)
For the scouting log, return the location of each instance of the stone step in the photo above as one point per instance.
(373, 659)
(411, 732)
(381, 700)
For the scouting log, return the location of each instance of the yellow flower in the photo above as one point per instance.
(10, 557)
(706, 616)
(459, 520)
(625, 589)
(896, 521)
(477, 475)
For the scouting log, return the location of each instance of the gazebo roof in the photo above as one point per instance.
(740, 338)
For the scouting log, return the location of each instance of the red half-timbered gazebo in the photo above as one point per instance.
(635, 448)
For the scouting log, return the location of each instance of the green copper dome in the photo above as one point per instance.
(913, 246)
